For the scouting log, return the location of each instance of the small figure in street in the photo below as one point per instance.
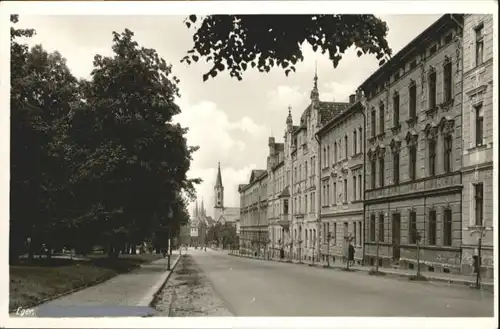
(351, 254)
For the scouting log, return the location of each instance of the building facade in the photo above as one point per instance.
(254, 237)
(305, 175)
(478, 119)
(414, 153)
(198, 226)
(341, 188)
(278, 199)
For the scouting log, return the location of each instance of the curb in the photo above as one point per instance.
(486, 285)
(158, 286)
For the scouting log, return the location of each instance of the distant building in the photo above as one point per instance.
(414, 153)
(253, 213)
(341, 140)
(198, 226)
(477, 170)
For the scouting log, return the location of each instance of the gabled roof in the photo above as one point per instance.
(256, 173)
(229, 215)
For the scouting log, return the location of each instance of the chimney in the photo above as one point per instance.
(352, 99)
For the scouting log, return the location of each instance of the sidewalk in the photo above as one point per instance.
(136, 288)
(431, 276)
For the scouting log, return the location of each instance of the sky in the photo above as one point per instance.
(230, 120)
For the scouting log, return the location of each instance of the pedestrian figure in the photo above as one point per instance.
(351, 254)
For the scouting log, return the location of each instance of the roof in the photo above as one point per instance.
(339, 115)
(256, 174)
(229, 215)
(411, 47)
(328, 110)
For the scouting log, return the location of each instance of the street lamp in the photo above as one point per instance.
(418, 237)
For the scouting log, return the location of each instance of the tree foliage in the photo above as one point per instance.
(238, 42)
(98, 161)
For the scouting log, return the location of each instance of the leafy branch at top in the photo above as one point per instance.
(238, 42)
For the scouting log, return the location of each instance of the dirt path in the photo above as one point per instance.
(189, 293)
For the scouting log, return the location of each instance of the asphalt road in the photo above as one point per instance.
(251, 287)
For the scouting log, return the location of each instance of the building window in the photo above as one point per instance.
(328, 194)
(306, 208)
(313, 202)
(354, 195)
(285, 207)
(448, 80)
(381, 167)
(381, 230)
(361, 139)
(373, 122)
(432, 90)
(334, 233)
(413, 101)
(433, 50)
(328, 155)
(432, 157)
(346, 146)
(479, 45)
(447, 153)
(334, 193)
(345, 190)
(413, 64)
(478, 196)
(335, 151)
(413, 162)
(432, 227)
(355, 236)
(395, 167)
(448, 38)
(359, 234)
(354, 142)
(372, 228)
(395, 118)
(381, 115)
(360, 181)
(413, 227)
(479, 125)
(447, 227)
(373, 173)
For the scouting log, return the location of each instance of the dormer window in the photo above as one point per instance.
(433, 50)
(413, 64)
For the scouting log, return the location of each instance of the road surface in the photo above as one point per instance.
(250, 287)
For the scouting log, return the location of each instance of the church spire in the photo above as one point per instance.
(202, 207)
(218, 182)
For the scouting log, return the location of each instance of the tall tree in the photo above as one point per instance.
(42, 92)
(237, 42)
(132, 160)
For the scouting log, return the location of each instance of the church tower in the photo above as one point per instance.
(218, 195)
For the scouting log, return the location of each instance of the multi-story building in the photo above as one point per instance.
(414, 153)
(304, 180)
(253, 213)
(341, 188)
(478, 119)
(278, 200)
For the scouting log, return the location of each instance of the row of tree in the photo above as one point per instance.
(98, 161)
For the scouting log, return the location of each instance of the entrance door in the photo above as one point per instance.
(396, 237)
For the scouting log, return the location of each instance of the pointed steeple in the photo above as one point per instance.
(314, 91)
(196, 209)
(218, 182)
(289, 120)
(202, 208)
